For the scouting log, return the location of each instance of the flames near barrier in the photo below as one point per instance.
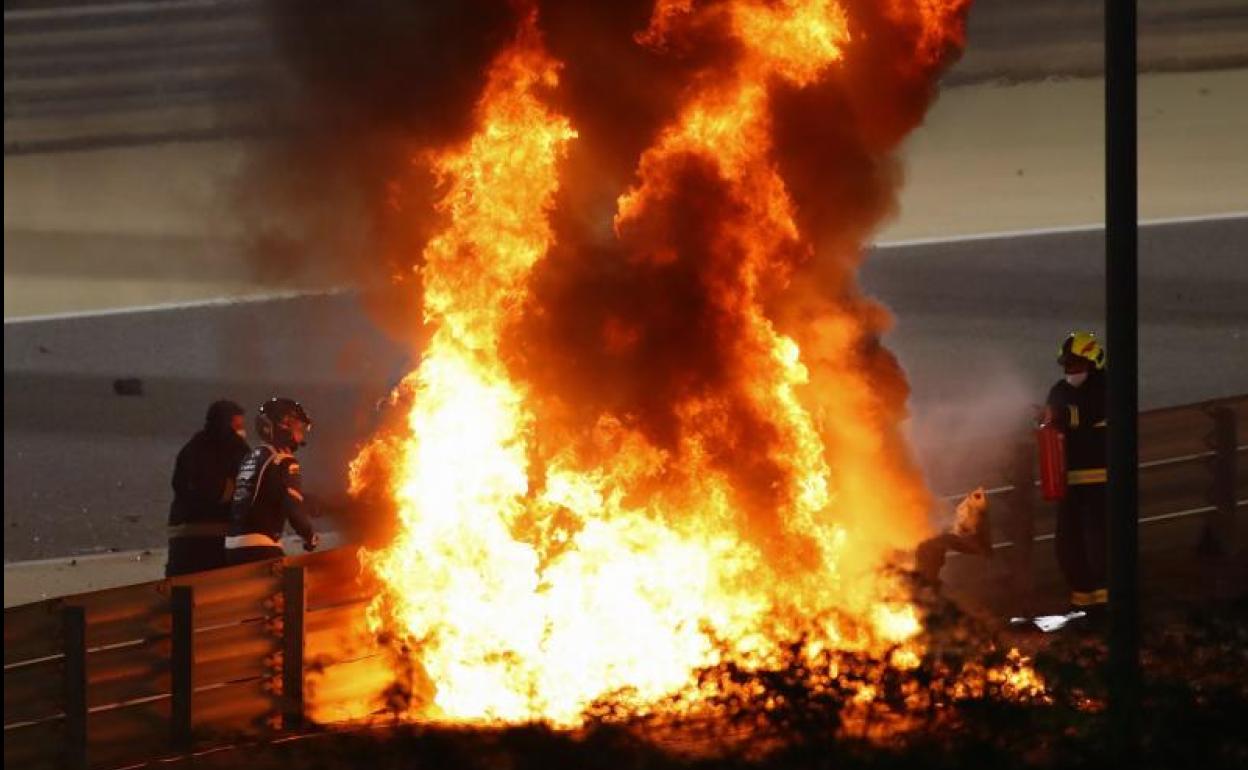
(738, 478)
(235, 678)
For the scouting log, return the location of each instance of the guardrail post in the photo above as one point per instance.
(1219, 533)
(1022, 525)
(182, 667)
(294, 599)
(74, 628)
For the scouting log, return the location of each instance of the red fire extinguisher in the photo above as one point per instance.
(1052, 445)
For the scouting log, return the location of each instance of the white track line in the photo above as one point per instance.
(247, 299)
(226, 301)
(1042, 231)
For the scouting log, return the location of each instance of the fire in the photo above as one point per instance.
(542, 565)
(460, 581)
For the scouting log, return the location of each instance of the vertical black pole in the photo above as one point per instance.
(1122, 307)
(74, 638)
(293, 612)
(182, 668)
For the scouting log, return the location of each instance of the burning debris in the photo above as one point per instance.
(653, 432)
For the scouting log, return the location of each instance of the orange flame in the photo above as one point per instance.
(535, 573)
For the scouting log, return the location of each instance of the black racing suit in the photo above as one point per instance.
(1082, 519)
(268, 493)
(203, 485)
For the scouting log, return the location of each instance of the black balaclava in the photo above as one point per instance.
(220, 414)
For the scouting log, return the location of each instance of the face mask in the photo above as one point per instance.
(1075, 380)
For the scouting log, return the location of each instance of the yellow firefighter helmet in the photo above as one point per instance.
(1083, 345)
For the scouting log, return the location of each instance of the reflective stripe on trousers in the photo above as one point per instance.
(251, 540)
(1087, 476)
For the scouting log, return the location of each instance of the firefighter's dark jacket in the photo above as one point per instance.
(1080, 414)
(268, 493)
(203, 478)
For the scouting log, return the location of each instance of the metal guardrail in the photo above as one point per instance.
(168, 668)
(112, 677)
(1190, 480)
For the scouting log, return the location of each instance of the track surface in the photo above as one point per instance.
(87, 470)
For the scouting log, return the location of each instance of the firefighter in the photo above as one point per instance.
(203, 485)
(269, 489)
(1076, 406)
